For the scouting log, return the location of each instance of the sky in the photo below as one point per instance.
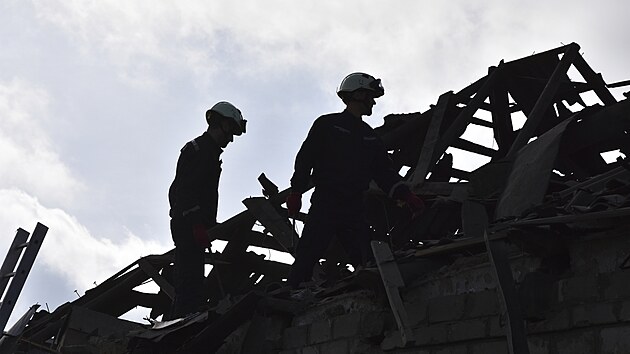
(98, 97)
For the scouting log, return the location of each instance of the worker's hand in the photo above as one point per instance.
(415, 203)
(294, 204)
(200, 235)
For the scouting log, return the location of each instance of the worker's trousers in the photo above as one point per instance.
(321, 227)
(189, 270)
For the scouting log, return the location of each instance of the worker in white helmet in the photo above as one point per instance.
(341, 155)
(193, 198)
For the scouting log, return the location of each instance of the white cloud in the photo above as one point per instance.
(28, 158)
(69, 250)
(71, 257)
(420, 49)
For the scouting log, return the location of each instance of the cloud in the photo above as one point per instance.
(71, 257)
(285, 61)
(69, 251)
(420, 49)
(28, 156)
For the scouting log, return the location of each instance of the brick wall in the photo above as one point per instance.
(456, 309)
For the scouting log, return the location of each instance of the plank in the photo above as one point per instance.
(21, 273)
(392, 279)
(544, 101)
(475, 222)
(566, 219)
(473, 147)
(166, 287)
(427, 154)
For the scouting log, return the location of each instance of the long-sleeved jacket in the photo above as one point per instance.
(343, 154)
(194, 192)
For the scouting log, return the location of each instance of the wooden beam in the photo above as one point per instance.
(463, 96)
(457, 128)
(481, 122)
(13, 255)
(475, 223)
(567, 219)
(460, 174)
(511, 108)
(544, 101)
(598, 181)
(22, 270)
(392, 279)
(472, 147)
(498, 255)
(427, 154)
(596, 80)
(259, 239)
(501, 116)
(166, 287)
(458, 245)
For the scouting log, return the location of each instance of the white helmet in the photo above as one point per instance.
(356, 81)
(228, 110)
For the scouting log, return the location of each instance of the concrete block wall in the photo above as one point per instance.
(457, 310)
(590, 303)
(355, 331)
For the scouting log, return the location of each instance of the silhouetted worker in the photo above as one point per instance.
(342, 154)
(194, 197)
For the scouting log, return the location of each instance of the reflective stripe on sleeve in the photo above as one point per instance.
(195, 145)
(191, 210)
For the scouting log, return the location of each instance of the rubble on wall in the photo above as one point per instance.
(530, 243)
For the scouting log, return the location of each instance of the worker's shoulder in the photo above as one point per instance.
(327, 119)
(365, 126)
(367, 131)
(201, 143)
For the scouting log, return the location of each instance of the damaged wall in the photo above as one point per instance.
(458, 308)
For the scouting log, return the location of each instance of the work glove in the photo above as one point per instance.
(200, 234)
(415, 203)
(294, 204)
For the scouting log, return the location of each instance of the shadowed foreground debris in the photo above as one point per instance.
(528, 253)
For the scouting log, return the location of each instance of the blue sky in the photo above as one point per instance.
(97, 98)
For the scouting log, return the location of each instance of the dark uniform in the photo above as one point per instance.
(343, 154)
(193, 197)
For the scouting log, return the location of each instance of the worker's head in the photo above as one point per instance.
(225, 121)
(359, 91)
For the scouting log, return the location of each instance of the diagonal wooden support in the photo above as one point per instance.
(166, 287)
(426, 158)
(392, 279)
(595, 80)
(8, 266)
(498, 254)
(475, 222)
(544, 101)
(501, 116)
(21, 273)
(457, 128)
